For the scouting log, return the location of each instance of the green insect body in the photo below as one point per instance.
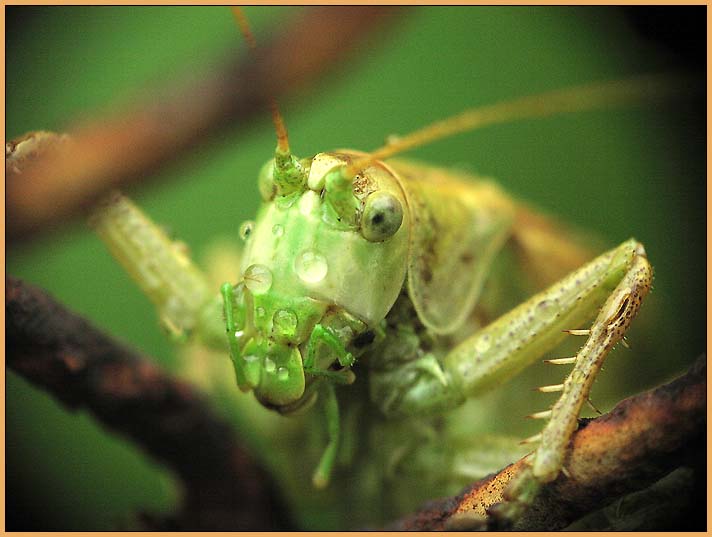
(366, 335)
(359, 292)
(321, 305)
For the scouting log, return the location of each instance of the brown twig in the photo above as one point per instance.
(641, 440)
(61, 352)
(125, 148)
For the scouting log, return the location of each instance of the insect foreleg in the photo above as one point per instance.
(162, 269)
(322, 334)
(609, 327)
(609, 288)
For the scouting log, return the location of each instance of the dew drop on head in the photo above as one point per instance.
(285, 323)
(311, 267)
(258, 279)
(282, 373)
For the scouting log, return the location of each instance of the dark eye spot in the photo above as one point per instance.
(382, 216)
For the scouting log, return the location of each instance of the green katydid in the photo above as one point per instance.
(365, 273)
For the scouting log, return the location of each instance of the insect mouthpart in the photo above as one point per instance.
(266, 331)
(273, 370)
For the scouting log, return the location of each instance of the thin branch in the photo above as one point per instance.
(84, 368)
(133, 145)
(640, 441)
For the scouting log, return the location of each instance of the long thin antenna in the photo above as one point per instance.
(598, 95)
(280, 128)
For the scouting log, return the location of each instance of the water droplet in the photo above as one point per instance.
(282, 373)
(260, 311)
(285, 202)
(246, 229)
(239, 334)
(258, 279)
(251, 358)
(311, 267)
(285, 323)
(270, 366)
(277, 230)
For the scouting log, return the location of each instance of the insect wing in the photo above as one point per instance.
(457, 225)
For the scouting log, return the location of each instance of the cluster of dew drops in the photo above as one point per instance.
(311, 268)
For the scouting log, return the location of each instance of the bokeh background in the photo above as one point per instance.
(617, 173)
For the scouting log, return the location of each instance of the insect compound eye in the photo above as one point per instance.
(382, 216)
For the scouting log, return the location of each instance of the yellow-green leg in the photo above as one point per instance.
(162, 269)
(610, 289)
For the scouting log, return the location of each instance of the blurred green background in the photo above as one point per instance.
(634, 172)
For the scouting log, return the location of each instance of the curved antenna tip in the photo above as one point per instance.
(277, 119)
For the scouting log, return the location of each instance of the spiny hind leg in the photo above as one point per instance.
(630, 274)
(497, 352)
(607, 330)
(610, 289)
